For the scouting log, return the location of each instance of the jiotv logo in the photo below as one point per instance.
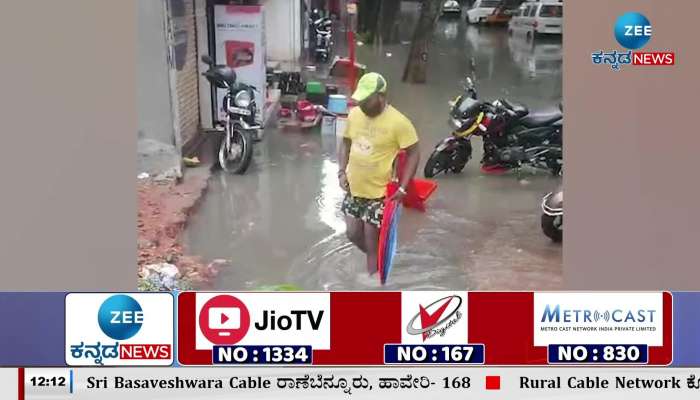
(119, 329)
(263, 319)
(434, 317)
(633, 31)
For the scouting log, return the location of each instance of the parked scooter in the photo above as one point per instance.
(553, 215)
(513, 137)
(321, 28)
(240, 128)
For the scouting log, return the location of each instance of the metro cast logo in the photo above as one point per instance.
(557, 314)
(121, 329)
(599, 318)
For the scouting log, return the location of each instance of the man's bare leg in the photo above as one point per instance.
(355, 232)
(371, 237)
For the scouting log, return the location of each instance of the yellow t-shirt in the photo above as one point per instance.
(375, 143)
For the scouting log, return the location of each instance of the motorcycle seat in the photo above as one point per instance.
(541, 118)
(519, 109)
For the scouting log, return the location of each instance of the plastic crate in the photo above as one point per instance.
(314, 87)
(337, 103)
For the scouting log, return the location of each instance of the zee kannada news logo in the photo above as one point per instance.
(633, 31)
(120, 318)
(436, 318)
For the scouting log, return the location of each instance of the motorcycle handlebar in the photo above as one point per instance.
(502, 107)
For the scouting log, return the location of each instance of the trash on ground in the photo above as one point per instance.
(143, 175)
(161, 276)
(191, 161)
(220, 262)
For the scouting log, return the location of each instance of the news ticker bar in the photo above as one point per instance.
(350, 328)
(368, 383)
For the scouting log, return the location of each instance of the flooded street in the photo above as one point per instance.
(281, 222)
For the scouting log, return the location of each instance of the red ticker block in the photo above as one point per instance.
(493, 382)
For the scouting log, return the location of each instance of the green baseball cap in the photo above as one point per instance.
(369, 84)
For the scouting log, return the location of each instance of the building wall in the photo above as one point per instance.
(153, 91)
(184, 37)
(283, 35)
(157, 144)
(205, 101)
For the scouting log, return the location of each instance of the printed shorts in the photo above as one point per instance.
(370, 211)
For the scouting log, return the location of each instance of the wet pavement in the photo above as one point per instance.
(281, 222)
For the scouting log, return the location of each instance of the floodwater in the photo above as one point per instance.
(281, 222)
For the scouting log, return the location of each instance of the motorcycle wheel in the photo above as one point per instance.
(550, 230)
(462, 158)
(458, 168)
(437, 162)
(236, 151)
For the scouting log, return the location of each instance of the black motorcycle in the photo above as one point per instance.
(553, 215)
(512, 137)
(240, 129)
(453, 152)
(321, 29)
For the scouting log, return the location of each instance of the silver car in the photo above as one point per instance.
(451, 7)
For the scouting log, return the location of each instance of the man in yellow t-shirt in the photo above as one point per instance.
(375, 133)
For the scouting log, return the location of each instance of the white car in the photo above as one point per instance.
(541, 58)
(537, 17)
(480, 10)
(451, 7)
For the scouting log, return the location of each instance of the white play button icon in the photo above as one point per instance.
(224, 318)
